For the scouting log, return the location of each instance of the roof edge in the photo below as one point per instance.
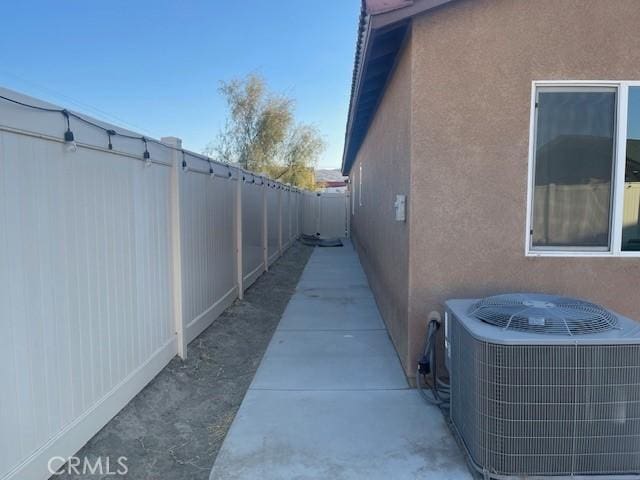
(370, 23)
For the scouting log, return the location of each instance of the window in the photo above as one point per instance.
(631, 197)
(352, 187)
(360, 188)
(582, 199)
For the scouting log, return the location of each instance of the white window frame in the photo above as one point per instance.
(352, 191)
(616, 221)
(360, 188)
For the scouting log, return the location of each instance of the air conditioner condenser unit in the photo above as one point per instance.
(544, 386)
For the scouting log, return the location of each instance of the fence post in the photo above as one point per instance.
(265, 226)
(239, 234)
(176, 254)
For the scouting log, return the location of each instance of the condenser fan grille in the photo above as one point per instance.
(546, 314)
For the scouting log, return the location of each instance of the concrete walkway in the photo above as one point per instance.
(330, 399)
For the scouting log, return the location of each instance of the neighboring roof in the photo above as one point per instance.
(382, 29)
(341, 183)
(329, 175)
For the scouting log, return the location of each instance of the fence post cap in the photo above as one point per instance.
(173, 141)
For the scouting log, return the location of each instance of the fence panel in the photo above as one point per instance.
(294, 215)
(301, 204)
(310, 205)
(209, 283)
(84, 305)
(333, 213)
(631, 215)
(273, 220)
(295, 197)
(325, 214)
(110, 262)
(286, 217)
(252, 235)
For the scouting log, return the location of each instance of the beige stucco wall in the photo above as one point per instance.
(382, 243)
(473, 64)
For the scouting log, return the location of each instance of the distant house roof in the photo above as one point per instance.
(329, 175)
(341, 183)
(382, 29)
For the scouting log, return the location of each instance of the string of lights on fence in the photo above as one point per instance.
(70, 141)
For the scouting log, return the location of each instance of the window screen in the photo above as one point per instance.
(573, 167)
(631, 202)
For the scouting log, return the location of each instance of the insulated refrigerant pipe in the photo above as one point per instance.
(428, 364)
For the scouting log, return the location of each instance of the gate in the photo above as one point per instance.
(326, 214)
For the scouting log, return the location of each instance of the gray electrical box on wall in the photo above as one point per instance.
(401, 208)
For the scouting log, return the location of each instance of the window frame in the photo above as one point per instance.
(360, 187)
(617, 184)
(352, 191)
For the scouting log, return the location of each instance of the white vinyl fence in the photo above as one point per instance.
(326, 214)
(110, 264)
(631, 213)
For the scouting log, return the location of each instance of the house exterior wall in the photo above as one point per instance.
(381, 242)
(473, 64)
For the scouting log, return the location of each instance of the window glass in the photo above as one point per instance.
(573, 165)
(631, 212)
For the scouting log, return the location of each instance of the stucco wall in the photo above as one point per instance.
(473, 64)
(382, 243)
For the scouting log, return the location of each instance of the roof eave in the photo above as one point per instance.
(377, 23)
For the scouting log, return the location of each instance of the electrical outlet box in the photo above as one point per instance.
(401, 208)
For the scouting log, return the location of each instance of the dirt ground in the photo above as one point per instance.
(174, 428)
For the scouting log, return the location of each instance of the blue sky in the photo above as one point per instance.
(156, 65)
